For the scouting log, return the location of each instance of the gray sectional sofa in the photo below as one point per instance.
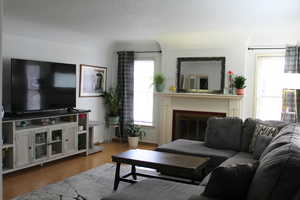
(276, 178)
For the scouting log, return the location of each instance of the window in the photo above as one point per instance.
(143, 92)
(271, 80)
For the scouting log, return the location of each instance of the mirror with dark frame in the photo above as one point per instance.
(201, 74)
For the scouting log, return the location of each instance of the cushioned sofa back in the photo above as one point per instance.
(278, 174)
(224, 133)
(249, 126)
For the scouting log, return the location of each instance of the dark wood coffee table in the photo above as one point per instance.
(159, 161)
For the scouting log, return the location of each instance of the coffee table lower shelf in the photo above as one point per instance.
(135, 174)
(129, 158)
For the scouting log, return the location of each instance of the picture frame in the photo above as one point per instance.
(93, 81)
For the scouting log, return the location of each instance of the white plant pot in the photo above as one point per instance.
(133, 142)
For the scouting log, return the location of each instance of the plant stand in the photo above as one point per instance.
(92, 147)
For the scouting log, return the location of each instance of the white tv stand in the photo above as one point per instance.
(36, 139)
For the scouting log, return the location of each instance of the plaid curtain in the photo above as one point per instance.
(291, 97)
(289, 105)
(125, 88)
(292, 60)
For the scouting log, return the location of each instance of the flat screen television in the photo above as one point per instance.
(42, 86)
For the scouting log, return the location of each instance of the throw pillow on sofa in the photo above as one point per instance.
(230, 182)
(262, 141)
(262, 129)
(224, 133)
(249, 128)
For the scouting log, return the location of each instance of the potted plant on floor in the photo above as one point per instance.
(159, 82)
(134, 133)
(113, 103)
(239, 83)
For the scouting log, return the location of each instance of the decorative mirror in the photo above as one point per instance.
(201, 74)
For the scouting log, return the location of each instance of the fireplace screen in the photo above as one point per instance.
(190, 124)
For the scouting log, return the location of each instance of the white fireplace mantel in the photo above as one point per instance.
(231, 105)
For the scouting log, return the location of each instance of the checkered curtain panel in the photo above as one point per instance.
(291, 97)
(292, 60)
(289, 105)
(125, 88)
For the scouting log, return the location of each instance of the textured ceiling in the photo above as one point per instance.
(168, 20)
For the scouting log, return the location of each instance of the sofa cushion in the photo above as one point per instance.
(197, 148)
(202, 197)
(150, 189)
(249, 126)
(278, 174)
(248, 130)
(239, 176)
(283, 138)
(262, 141)
(239, 158)
(224, 133)
(262, 129)
(297, 195)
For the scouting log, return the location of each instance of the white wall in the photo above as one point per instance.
(236, 58)
(235, 61)
(35, 49)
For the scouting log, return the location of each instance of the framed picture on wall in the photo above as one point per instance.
(92, 81)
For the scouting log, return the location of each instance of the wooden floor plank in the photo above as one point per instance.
(24, 181)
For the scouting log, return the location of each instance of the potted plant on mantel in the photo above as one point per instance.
(113, 103)
(134, 133)
(159, 82)
(239, 83)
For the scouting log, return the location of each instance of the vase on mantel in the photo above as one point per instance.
(230, 82)
(159, 82)
(240, 91)
(159, 87)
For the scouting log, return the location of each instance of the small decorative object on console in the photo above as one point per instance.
(24, 123)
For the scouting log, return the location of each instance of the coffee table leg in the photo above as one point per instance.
(133, 172)
(117, 176)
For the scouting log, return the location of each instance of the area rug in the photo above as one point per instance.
(90, 185)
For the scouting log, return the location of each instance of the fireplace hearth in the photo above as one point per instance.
(191, 124)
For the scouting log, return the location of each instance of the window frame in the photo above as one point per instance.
(154, 58)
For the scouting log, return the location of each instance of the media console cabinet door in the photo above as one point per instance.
(70, 139)
(55, 143)
(24, 148)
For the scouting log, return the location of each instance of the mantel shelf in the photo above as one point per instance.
(199, 95)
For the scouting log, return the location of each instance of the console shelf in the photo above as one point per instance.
(31, 140)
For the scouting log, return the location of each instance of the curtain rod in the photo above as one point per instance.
(141, 51)
(266, 48)
(148, 52)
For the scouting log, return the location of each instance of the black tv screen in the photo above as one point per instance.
(38, 86)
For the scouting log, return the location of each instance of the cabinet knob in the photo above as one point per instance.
(29, 147)
(67, 140)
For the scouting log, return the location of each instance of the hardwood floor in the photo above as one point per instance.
(24, 181)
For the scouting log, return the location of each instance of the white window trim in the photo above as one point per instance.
(256, 97)
(156, 59)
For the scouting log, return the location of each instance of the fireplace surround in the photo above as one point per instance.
(229, 105)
